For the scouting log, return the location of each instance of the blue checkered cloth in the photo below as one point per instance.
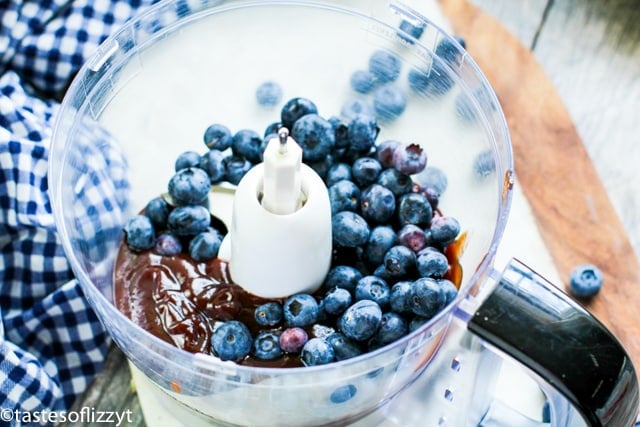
(51, 342)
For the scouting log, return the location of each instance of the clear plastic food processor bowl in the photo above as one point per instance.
(149, 93)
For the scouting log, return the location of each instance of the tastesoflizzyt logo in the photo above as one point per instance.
(16, 417)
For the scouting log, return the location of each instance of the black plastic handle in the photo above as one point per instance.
(536, 323)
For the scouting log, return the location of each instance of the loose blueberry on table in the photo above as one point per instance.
(393, 267)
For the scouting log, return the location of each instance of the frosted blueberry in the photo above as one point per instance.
(585, 281)
(168, 245)
(317, 352)
(315, 136)
(300, 310)
(362, 81)
(212, 162)
(295, 108)
(231, 340)
(361, 320)
(157, 209)
(205, 246)
(189, 220)
(140, 234)
(268, 314)
(248, 144)
(266, 346)
(187, 159)
(189, 186)
(389, 102)
(385, 66)
(217, 137)
(269, 94)
(349, 229)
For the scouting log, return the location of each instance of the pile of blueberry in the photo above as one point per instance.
(389, 273)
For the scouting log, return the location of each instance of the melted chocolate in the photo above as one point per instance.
(179, 300)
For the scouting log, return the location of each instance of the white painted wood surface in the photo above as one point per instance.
(590, 50)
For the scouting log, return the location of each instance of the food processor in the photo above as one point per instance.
(149, 93)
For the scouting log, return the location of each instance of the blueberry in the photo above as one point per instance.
(343, 393)
(140, 233)
(432, 196)
(432, 263)
(428, 298)
(315, 135)
(231, 340)
(189, 220)
(294, 109)
(300, 310)
(384, 152)
(349, 229)
(340, 131)
(212, 162)
(433, 177)
(399, 261)
(343, 347)
(317, 352)
(338, 172)
(361, 320)
(217, 137)
(418, 80)
(449, 289)
(187, 159)
(396, 181)
(373, 288)
(157, 210)
(205, 246)
(362, 81)
(484, 163)
(356, 107)
(248, 144)
(269, 94)
(377, 204)
(189, 186)
(401, 296)
(235, 168)
(344, 196)
(385, 66)
(272, 130)
(363, 131)
(412, 237)
(444, 230)
(322, 166)
(381, 239)
(409, 159)
(392, 327)
(409, 28)
(268, 314)
(293, 339)
(450, 50)
(168, 245)
(414, 208)
(546, 412)
(336, 301)
(266, 346)
(389, 102)
(343, 276)
(434, 82)
(585, 281)
(365, 171)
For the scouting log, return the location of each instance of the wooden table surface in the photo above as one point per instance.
(590, 49)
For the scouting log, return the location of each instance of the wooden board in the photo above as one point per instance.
(571, 206)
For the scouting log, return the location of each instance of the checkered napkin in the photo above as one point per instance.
(51, 343)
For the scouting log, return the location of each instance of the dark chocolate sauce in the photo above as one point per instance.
(179, 300)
